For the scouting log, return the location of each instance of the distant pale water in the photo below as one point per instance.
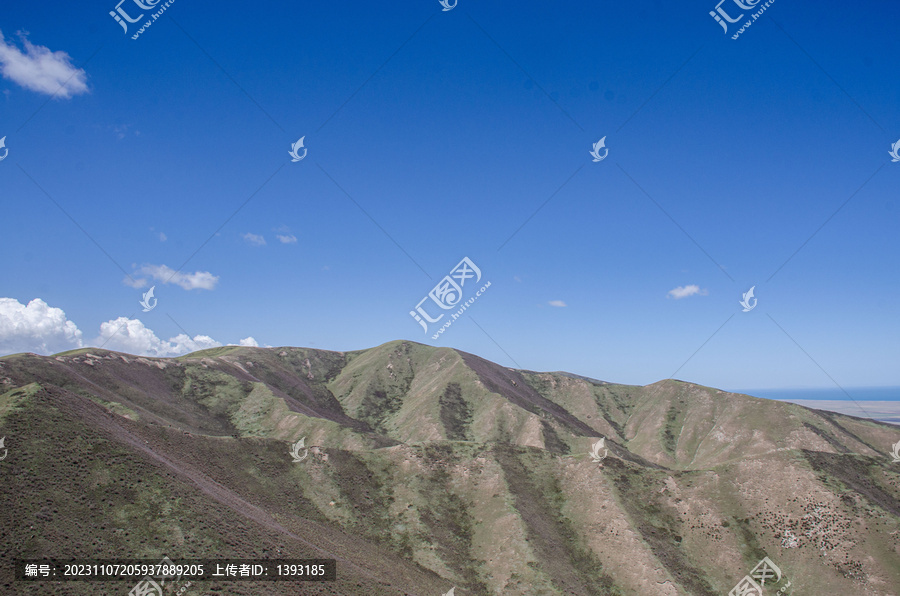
(878, 403)
(831, 394)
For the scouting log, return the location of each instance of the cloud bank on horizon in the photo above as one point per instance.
(40, 328)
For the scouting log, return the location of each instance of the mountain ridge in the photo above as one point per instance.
(435, 468)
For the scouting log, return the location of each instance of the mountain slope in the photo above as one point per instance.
(436, 468)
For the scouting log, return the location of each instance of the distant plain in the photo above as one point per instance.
(878, 403)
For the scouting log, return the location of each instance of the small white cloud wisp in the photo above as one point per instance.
(686, 291)
(199, 280)
(254, 239)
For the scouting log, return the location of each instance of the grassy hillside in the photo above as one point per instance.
(434, 468)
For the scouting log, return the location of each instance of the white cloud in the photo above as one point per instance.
(559, 303)
(133, 337)
(39, 69)
(36, 327)
(121, 131)
(289, 239)
(254, 239)
(683, 292)
(182, 344)
(199, 280)
(163, 237)
(45, 330)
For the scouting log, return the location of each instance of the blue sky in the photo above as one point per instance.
(435, 135)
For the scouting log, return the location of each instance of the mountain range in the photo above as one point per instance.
(429, 469)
